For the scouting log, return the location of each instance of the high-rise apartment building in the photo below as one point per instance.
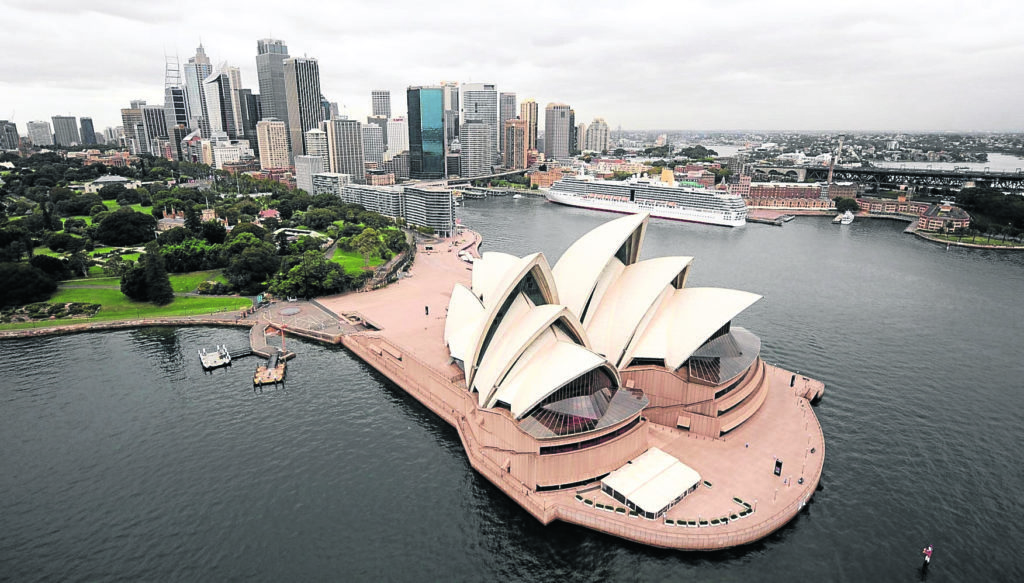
(272, 136)
(197, 69)
(514, 137)
(40, 133)
(305, 168)
(528, 113)
(9, 134)
(88, 132)
(579, 137)
(345, 148)
(558, 131)
(480, 102)
(597, 136)
(155, 119)
(398, 136)
(506, 111)
(330, 183)
(426, 131)
(381, 102)
(316, 145)
(270, 57)
(65, 130)
(373, 143)
(302, 90)
(432, 208)
(475, 157)
(235, 77)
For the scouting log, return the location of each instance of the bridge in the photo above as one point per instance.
(896, 177)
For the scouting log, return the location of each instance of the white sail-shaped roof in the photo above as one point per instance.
(508, 346)
(490, 271)
(577, 271)
(623, 307)
(686, 320)
(464, 312)
(545, 372)
(535, 266)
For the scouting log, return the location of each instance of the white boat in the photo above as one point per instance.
(846, 219)
(517, 196)
(666, 200)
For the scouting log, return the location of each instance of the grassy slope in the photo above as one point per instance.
(118, 307)
(352, 262)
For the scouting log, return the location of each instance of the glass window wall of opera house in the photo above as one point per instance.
(588, 353)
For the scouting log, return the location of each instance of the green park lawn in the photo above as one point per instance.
(973, 240)
(116, 306)
(95, 282)
(188, 282)
(352, 262)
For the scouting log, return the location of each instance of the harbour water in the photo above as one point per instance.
(122, 459)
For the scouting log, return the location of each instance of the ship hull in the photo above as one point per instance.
(627, 207)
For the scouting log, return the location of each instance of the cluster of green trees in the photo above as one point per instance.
(992, 210)
(38, 209)
(844, 204)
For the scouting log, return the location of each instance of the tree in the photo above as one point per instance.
(312, 276)
(24, 284)
(133, 283)
(256, 230)
(126, 227)
(214, 232)
(54, 268)
(366, 243)
(846, 204)
(249, 271)
(158, 283)
(112, 191)
(192, 220)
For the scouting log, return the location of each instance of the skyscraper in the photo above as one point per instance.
(398, 136)
(39, 132)
(197, 69)
(373, 143)
(345, 148)
(580, 137)
(558, 130)
(135, 137)
(65, 130)
(514, 134)
(597, 136)
(383, 123)
(302, 91)
(480, 102)
(506, 111)
(220, 97)
(249, 108)
(154, 117)
(305, 168)
(528, 113)
(475, 157)
(272, 136)
(88, 132)
(235, 77)
(9, 135)
(270, 57)
(451, 112)
(381, 102)
(426, 132)
(316, 145)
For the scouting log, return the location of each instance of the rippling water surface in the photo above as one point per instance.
(121, 459)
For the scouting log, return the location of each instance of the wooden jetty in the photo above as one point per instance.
(271, 373)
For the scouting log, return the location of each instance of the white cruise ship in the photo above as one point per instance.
(662, 199)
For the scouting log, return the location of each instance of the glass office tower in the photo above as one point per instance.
(426, 132)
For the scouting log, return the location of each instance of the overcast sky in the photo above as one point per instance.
(891, 65)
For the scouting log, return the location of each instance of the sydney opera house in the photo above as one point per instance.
(605, 392)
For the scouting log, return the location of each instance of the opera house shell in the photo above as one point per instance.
(571, 365)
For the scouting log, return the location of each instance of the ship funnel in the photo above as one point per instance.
(668, 176)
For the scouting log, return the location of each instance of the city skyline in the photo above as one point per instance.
(751, 66)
